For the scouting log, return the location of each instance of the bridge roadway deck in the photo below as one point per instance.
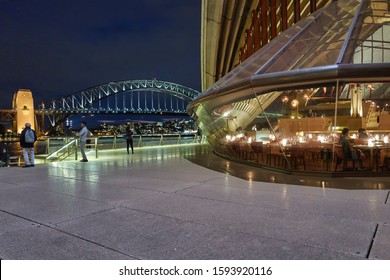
(160, 204)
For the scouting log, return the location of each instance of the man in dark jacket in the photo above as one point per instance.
(27, 140)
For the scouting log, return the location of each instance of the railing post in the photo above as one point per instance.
(48, 146)
(161, 140)
(96, 147)
(140, 141)
(114, 143)
(69, 148)
(179, 141)
(75, 149)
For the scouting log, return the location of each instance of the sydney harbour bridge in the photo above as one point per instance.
(123, 97)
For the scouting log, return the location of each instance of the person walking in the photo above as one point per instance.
(27, 139)
(83, 133)
(129, 139)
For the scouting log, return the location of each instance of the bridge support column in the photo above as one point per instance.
(23, 103)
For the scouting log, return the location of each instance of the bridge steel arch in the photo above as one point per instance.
(83, 101)
(91, 100)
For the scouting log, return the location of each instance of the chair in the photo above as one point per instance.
(246, 152)
(297, 156)
(314, 150)
(222, 148)
(236, 149)
(274, 153)
(257, 148)
(343, 157)
(326, 155)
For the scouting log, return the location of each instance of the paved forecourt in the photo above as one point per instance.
(158, 204)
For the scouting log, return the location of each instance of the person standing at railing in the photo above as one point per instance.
(83, 133)
(27, 139)
(129, 139)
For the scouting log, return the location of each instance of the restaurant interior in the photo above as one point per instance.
(287, 106)
(301, 130)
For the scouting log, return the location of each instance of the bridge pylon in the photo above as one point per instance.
(23, 104)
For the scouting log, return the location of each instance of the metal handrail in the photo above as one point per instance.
(63, 148)
(71, 146)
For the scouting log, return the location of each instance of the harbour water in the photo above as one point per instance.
(170, 131)
(96, 120)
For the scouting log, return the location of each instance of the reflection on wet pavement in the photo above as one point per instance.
(204, 156)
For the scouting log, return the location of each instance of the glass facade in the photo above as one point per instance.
(286, 105)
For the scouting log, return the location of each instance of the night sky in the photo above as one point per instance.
(57, 47)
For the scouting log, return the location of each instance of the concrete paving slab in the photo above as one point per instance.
(133, 180)
(38, 242)
(381, 245)
(4, 185)
(156, 204)
(24, 239)
(373, 195)
(252, 247)
(11, 223)
(387, 200)
(107, 193)
(161, 173)
(140, 177)
(150, 236)
(24, 176)
(305, 228)
(164, 170)
(16, 175)
(289, 200)
(47, 207)
(150, 183)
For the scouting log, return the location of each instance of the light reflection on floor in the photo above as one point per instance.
(204, 156)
